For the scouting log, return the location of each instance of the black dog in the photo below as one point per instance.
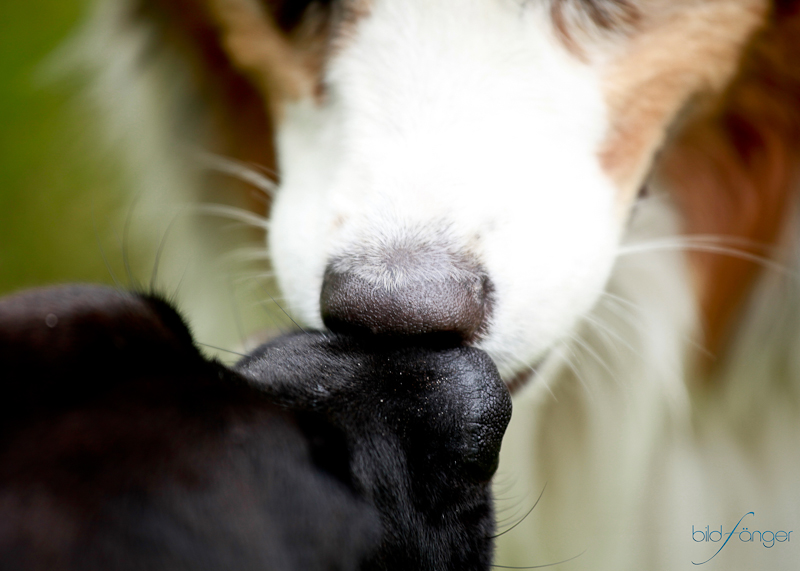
(121, 447)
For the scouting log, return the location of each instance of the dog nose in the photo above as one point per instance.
(406, 291)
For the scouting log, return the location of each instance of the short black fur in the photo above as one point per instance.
(122, 447)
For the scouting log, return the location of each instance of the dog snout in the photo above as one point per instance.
(406, 290)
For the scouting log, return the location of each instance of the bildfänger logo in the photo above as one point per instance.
(767, 538)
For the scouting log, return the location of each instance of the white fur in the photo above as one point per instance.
(429, 111)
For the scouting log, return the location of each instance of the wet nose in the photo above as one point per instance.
(406, 290)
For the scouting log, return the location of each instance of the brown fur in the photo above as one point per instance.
(732, 165)
(235, 122)
(735, 171)
(285, 65)
(605, 16)
(239, 118)
(680, 50)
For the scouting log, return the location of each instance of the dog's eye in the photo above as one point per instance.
(608, 15)
(289, 14)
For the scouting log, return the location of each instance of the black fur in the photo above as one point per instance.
(122, 447)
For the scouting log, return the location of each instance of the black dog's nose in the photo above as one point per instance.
(406, 290)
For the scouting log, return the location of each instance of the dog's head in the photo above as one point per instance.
(122, 447)
(469, 166)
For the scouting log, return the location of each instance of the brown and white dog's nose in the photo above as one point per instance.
(406, 290)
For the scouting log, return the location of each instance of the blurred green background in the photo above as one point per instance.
(61, 201)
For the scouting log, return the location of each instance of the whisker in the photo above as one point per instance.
(721, 239)
(529, 512)
(505, 480)
(565, 359)
(628, 310)
(272, 173)
(542, 566)
(286, 313)
(512, 504)
(507, 520)
(132, 283)
(246, 277)
(629, 313)
(221, 349)
(608, 332)
(248, 254)
(534, 370)
(704, 245)
(280, 327)
(237, 169)
(586, 347)
(232, 213)
(618, 304)
(623, 301)
(160, 251)
(177, 291)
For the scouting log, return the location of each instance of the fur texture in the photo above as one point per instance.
(513, 140)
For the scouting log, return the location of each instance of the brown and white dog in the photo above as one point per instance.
(476, 168)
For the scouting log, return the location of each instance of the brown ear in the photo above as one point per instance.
(735, 170)
(234, 109)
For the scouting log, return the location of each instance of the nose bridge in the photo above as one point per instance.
(407, 287)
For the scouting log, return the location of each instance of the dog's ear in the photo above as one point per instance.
(228, 112)
(733, 170)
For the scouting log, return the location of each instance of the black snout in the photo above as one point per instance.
(408, 291)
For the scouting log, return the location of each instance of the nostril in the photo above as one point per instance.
(406, 295)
